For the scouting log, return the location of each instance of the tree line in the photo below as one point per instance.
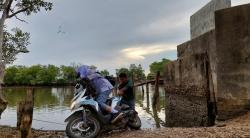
(135, 72)
(39, 75)
(157, 66)
(53, 75)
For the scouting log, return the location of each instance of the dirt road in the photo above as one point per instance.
(235, 128)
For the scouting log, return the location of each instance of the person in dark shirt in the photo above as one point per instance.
(126, 90)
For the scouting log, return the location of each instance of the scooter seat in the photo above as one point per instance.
(125, 107)
(104, 117)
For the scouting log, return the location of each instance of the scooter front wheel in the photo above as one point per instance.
(76, 128)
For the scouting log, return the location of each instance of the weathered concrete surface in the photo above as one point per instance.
(203, 20)
(187, 92)
(204, 44)
(185, 110)
(187, 72)
(233, 60)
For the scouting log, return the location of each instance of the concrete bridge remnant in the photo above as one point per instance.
(211, 77)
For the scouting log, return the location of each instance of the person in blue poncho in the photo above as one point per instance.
(102, 86)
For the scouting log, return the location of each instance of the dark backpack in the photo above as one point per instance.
(86, 83)
(111, 80)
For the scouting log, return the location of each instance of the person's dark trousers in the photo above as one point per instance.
(130, 103)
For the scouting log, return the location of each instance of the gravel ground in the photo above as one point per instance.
(235, 128)
(214, 132)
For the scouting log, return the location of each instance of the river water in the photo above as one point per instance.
(52, 107)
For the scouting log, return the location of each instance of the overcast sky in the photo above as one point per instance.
(108, 33)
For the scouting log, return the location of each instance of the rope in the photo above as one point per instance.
(48, 122)
(54, 111)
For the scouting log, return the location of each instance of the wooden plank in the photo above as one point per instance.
(161, 81)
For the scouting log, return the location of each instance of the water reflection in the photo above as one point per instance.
(144, 100)
(52, 105)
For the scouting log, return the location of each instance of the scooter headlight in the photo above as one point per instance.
(73, 105)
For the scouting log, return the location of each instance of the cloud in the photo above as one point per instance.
(141, 51)
(164, 26)
(239, 2)
(108, 34)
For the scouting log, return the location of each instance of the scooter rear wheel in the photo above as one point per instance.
(135, 123)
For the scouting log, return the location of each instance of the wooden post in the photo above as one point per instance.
(147, 92)
(25, 114)
(156, 118)
(142, 88)
(166, 103)
(156, 92)
(143, 93)
(133, 83)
